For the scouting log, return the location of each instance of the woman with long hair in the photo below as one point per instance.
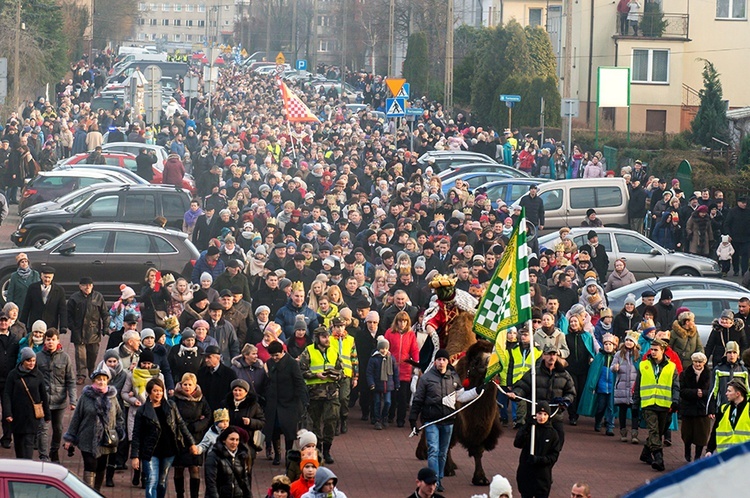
(196, 413)
(335, 296)
(317, 289)
(404, 348)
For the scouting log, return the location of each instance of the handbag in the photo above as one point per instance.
(38, 407)
(259, 440)
(109, 437)
(160, 318)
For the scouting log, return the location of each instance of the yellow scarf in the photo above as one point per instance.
(141, 376)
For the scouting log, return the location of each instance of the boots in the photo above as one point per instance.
(88, 478)
(109, 482)
(634, 437)
(646, 456)
(658, 463)
(179, 484)
(136, 477)
(277, 451)
(344, 426)
(624, 435)
(54, 456)
(98, 480)
(698, 452)
(327, 453)
(195, 486)
(688, 453)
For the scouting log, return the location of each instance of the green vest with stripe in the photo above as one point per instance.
(319, 363)
(656, 392)
(344, 350)
(726, 435)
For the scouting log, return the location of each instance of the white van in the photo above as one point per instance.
(566, 201)
(134, 50)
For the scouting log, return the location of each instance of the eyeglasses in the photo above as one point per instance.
(536, 321)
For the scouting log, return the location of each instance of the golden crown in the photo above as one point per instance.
(298, 286)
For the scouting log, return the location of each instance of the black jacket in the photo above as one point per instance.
(534, 209)
(248, 408)
(215, 384)
(690, 404)
(550, 384)
(285, 394)
(188, 361)
(53, 312)
(88, 317)
(18, 404)
(197, 416)
(8, 356)
(147, 430)
(227, 476)
(275, 299)
(534, 474)
(428, 399)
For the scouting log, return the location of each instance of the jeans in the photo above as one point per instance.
(506, 414)
(156, 471)
(380, 405)
(605, 408)
(438, 438)
(57, 432)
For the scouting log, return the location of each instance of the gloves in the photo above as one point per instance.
(414, 427)
(372, 388)
(561, 402)
(674, 408)
(480, 388)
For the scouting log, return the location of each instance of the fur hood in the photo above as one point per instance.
(180, 393)
(739, 324)
(683, 332)
(239, 362)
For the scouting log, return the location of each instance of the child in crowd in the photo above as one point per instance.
(725, 251)
(598, 395)
(382, 379)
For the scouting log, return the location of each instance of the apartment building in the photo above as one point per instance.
(185, 25)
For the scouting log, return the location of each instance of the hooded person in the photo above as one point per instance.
(325, 485)
(534, 474)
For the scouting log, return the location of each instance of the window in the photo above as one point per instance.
(632, 244)
(91, 242)
(226, 7)
(324, 21)
(132, 243)
(165, 7)
(177, 7)
(189, 38)
(141, 6)
(165, 22)
(705, 309)
(326, 45)
(152, 22)
(177, 38)
(87, 182)
(731, 9)
(552, 199)
(152, 6)
(141, 22)
(189, 23)
(580, 198)
(608, 197)
(141, 36)
(178, 22)
(604, 241)
(497, 192)
(139, 207)
(189, 8)
(202, 24)
(202, 8)
(650, 66)
(535, 17)
(517, 191)
(31, 489)
(162, 246)
(103, 207)
(174, 206)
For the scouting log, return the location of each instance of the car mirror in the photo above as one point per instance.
(654, 252)
(67, 248)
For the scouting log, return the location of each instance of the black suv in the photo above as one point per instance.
(139, 204)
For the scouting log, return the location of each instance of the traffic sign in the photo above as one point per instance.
(404, 92)
(510, 98)
(395, 84)
(569, 108)
(301, 65)
(280, 59)
(153, 74)
(414, 111)
(395, 107)
(280, 69)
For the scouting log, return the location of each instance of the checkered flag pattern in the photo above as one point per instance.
(496, 305)
(296, 110)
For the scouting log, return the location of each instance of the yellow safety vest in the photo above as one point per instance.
(727, 436)
(319, 363)
(521, 365)
(344, 350)
(656, 392)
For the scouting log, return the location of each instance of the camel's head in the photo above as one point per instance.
(477, 359)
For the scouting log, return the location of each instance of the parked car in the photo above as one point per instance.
(64, 200)
(509, 189)
(445, 160)
(134, 148)
(349, 94)
(644, 257)
(707, 306)
(460, 169)
(135, 179)
(566, 201)
(617, 297)
(29, 478)
(139, 204)
(474, 179)
(49, 185)
(110, 253)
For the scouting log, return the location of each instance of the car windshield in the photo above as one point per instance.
(79, 488)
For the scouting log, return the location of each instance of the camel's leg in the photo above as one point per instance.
(479, 479)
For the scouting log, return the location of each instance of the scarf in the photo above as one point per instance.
(386, 368)
(605, 326)
(192, 216)
(37, 340)
(24, 272)
(103, 389)
(141, 376)
(183, 350)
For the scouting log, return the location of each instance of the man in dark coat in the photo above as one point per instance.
(145, 164)
(88, 318)
(534, 207)
(45, 301)
(301, 273)
(202, 230)
(215, 378)
(599, 258)
(637, 206)
(737, 225)
(8, 357)
(286, 394)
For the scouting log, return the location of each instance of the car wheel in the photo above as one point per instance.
(4, 282)
(686, 272)
(40, 239)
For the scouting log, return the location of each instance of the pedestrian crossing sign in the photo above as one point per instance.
(395, 108)
(404, 92)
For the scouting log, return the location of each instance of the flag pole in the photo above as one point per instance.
(291, 139)
(533, 384)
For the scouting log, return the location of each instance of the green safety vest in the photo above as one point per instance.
(727, 436)
(521, 365)
(319, 363)
(344, 349)
(656, 392)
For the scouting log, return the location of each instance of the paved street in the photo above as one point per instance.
(382, 463)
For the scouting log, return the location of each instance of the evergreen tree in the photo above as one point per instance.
(711, 119)
(417, 65)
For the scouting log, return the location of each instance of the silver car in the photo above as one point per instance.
(644, 257)
(616, 298)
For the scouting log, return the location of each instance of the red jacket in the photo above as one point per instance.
(403, 347)
(300, 487)
(174, 170)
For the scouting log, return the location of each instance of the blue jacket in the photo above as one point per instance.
(287, 315)
(373, 373)
(201, 265)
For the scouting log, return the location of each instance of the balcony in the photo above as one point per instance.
(658, 26)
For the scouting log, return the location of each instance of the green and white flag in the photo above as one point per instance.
(507, 301)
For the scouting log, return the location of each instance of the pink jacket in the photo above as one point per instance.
(403, 347)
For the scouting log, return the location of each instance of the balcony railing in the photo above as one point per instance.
(658, 25)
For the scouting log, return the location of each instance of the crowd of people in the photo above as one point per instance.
(318, 244)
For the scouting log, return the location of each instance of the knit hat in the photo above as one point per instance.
(241, 384)
(188, 333)
(126, 292)
(199, 296)
(39, 326)
(206, 277)
(111, 353)
(27, 354)
(630, 299)
(665, 294)
(309, 461)
(146, 355)
(590, 281)
(261, 309)
(200, 323)
(101, 369)
(147, 333)
(420, 262)
(383, 343)
(698, 356)
(306, 438)
(442, 353)
(300, 323)
(577, 309)
(727, 314)
(221, 414)
(731, 346)
(500, 486)
(372, 316)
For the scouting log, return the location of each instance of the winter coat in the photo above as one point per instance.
(685, 342)
(622, 323)
(240, 315)
(183, 360)
(737, 225)
(88, 317)
(215, 385)
(201, 266)
(152, 300)
(147, 430)
(719, 337)
(227, 476)
(53, 312)
(17, 288)
(16, 401)
(8, 355)
(174, 170)
(600, 379)
(93, 411)
(285, 396)
(192, 315)
(699, 235)
(130, 396)
(617, 280)
(403, 347)
(161, 361)
(247, 408)
(723, 372)
(226, 337)
(287, 316)
(322, 476)
(624, 366)
(428, 398)
(57, 370)
(254, 374)
(295, 347)
(592, 170)
(374, 367)
(275, 299)
(534, 474)
(198, 417)
(582, 351)
(550, 384)
(690, 404)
